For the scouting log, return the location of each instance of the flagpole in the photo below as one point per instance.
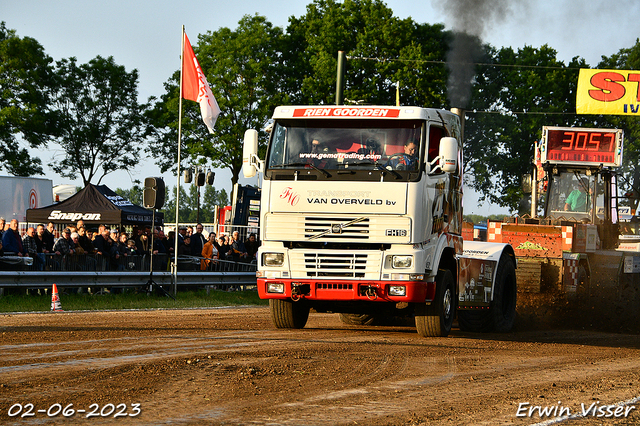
(175, 237)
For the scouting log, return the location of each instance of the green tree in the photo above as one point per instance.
(242, 67)
(514, 96)
(26, 79)
(210, 200)
(134, 194)
(102, 124)
(382, 50)
(170, 206)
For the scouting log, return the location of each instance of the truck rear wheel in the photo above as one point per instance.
(502, 311)
(436, 319)
(289, 314)
(503, 307)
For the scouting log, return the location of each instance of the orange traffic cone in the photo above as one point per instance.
(55, 300)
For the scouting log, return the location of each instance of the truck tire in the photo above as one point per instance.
(502, 311)
(289, 314)
(358, 319)
(503, 307)
(436, 319)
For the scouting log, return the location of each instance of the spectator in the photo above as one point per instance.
(101, 241)
(11, 239)
(113, 234)
(49, 237)
(123, 244)
(237, 249)
(30, 244)
(1, 249)
(197, 240)
(209, 252)
(159, 240)
(2, 223)
(143, 245)
(131, 248)
(40, 235)
(185, 249)
(223, 248)
(64, 245)
(171, 242)
(182, 232)
(75, 237)
(252, 245)
(135, 233)
(105, 246)
(84, 241)
(189, 230)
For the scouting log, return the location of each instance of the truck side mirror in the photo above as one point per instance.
(448, 154)
(249, 153)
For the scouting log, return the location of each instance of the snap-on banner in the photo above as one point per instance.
(611, 92)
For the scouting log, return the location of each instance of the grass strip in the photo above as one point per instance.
(127, 299)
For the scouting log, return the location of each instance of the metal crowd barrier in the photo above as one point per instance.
(93, 262)
(127, 271)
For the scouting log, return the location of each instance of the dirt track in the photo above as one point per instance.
(230, 366)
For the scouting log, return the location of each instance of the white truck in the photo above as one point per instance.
(361, 214)
(21, 193)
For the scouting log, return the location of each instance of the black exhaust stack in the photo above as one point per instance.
(460, 113)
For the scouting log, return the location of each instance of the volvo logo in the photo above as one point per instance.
(336, 229)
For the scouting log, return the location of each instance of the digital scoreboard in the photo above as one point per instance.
(581, 146)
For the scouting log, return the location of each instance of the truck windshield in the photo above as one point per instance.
(392, 147)
(573, 194)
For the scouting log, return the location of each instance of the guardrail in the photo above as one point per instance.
(134, 271)
(29, 279)
(96, 262)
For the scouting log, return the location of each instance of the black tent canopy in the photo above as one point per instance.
(95, 204)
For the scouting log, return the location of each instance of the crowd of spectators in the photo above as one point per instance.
(115, 247)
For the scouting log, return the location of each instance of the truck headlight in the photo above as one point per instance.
(272, 259)
(397, 290)
(402, 261)
(275, 288)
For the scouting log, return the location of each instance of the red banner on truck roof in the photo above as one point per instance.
(346, 112)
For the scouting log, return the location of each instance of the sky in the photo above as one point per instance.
(145, 35)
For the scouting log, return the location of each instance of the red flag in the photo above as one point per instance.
(196, 88)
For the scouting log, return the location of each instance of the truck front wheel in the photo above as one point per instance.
(436, 319)
(289, 314)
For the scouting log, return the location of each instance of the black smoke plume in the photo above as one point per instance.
(469, 21)
(465, 51)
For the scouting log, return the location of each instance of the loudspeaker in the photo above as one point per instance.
(188, 177)
(210, 177)
(153, 196)
(200, 178)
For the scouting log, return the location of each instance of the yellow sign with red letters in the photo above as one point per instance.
(612, 92)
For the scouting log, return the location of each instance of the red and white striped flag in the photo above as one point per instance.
(196, 88)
